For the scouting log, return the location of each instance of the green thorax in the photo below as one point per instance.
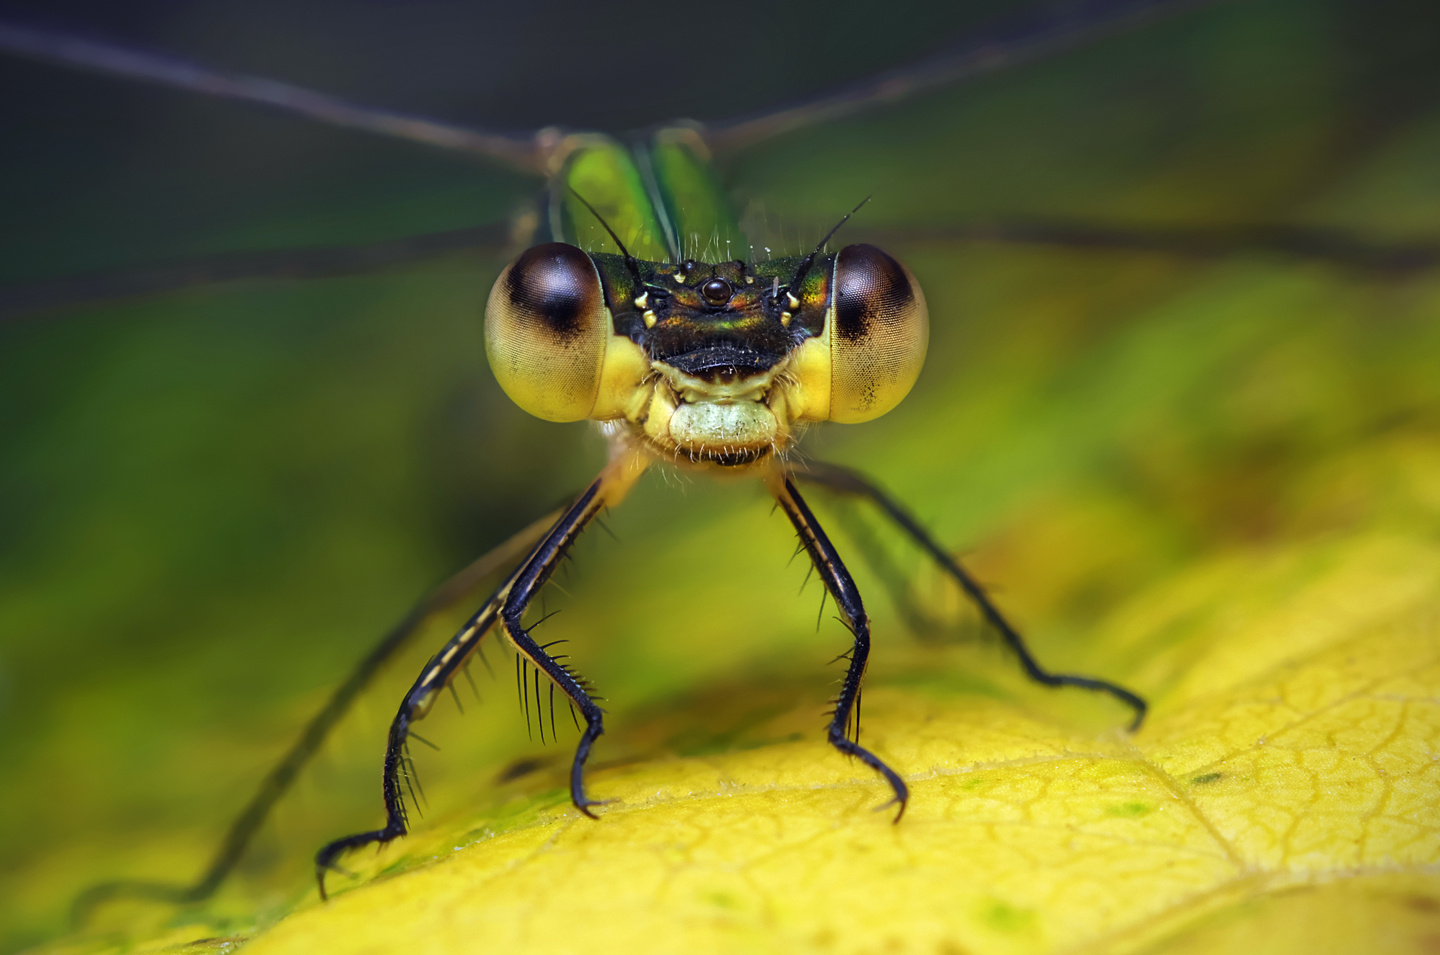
(661, 198)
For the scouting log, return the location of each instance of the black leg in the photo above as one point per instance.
(278, 781)
(842, 588)
(528, 582)
(438, 672)
(506, 607)
(849, 482)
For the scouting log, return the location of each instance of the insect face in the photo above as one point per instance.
(714, 362)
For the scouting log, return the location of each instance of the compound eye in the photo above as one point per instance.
(546, 332)
(879, 330)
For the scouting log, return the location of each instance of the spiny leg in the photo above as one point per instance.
(438, 673)
(507, 606)
(849, 482)
(609, 489)
(528, 582)
(852, 611)
(279, 779)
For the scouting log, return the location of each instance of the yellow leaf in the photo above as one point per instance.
(1301, 749)
(1284, 795)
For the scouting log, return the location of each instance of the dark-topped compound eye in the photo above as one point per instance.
(717, 292)
(881, 329)
(554, 288)
(872, 347)
(549, 335)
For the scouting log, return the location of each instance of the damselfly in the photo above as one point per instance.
(814, 230)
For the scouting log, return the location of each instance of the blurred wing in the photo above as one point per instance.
(62, 49)
(1043, 30)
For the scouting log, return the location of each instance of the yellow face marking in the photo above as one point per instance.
(650, 318)
(785, 318)
(642, 300)
(791, 301)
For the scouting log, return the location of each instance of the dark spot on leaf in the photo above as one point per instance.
(520, 768)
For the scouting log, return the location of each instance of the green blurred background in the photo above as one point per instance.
(212, 500)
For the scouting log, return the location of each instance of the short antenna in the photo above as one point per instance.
(810, 259)
(630, 262)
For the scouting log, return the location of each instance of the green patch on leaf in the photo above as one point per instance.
(1130, 810)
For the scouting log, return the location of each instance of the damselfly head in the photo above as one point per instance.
(715, 360)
